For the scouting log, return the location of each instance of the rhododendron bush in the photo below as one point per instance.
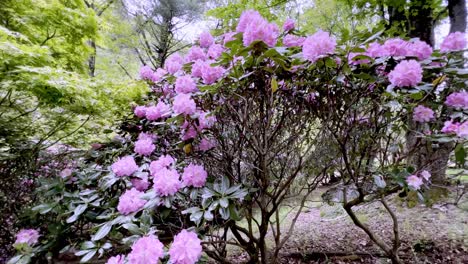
(231, 126)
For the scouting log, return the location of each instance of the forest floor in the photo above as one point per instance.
(437, 234)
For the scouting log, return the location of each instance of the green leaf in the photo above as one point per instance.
(274, 85)
(77, 212)
(460, 154)
(102, 232)
(224, 202)
(43, 208)
(88, 256)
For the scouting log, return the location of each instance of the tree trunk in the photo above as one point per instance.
(92, 59)
(457, 14)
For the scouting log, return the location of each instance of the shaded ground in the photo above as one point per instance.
(429, 235)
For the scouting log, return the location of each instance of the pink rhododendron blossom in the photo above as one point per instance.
(186, 248)
(211, 74)
(215, 51)
(454, 42)
(161, 110)
(206, 144)
(194, 175)
(450, 127)
(425, 174)
(206, 120)
(318, 45)
(184, 104)
(288, 24)
(146, 73)
(196, 53)
(144, 135)
(146, 250)
(188, 131)
(197, 68)
(247, 18)
(140, 111)
(293, 41)
(165, 161)
(395, 47)
(119, 259)
(65, 173)
(462, 130)
(166, 182)
(255, 27)
(375, 50)
(174, 63)
(458, 100)
(423, 114)
(206, 39)
(125, 166)
(130, 201)
(28, 236)
(144, 147)
(419, 49)
(414, 181)
(185, 84)
(152, 113)
(406, 73)
(141, 183)
(158, 75)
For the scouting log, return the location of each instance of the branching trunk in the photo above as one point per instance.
(457, 14)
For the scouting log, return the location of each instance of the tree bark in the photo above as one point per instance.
(92, 59)
(457, 14)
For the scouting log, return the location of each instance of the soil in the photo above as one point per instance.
(437, 234)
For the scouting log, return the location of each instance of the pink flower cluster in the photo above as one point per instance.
(210, 74)
(185, 84)
(454, 42)
(119, 259)
(144, 146)
(255, 27)
(206, 144)
(125, 166)
(293, 41)
(451, 127)
(184, 104)
(186, 248)
(130, 201)
(141, 182)
(415, 181)
(406, 73)
(174, 63)
(146, 250)
(196, 53)
(194, 175)
(458, 100)
(206, 39)
(166, 182)
(423, 114)
(161, 110)
(165, 161)
(289, 25)
(318, 46)
(146, 73)
(397, 47)
(28, 236)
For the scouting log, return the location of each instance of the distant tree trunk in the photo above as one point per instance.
(421, 21)
(457, 14)
(92, 59)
